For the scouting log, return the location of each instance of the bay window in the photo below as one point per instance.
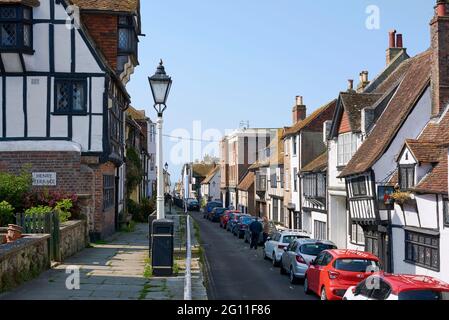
(16, 28)
(347, 147)
(127, 37)
(359, 187)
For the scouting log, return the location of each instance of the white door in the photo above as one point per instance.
(338, 221)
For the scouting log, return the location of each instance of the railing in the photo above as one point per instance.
(188, 273)
(43, 224)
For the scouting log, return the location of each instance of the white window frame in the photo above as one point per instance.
(346, 148)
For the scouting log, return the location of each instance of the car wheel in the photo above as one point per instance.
(282, 270)
(293, 279)
(275, 262)
(306, 286)
(323, 294)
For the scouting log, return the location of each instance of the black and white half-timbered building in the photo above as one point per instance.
(63, 70)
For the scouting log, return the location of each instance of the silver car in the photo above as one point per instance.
(299, 254)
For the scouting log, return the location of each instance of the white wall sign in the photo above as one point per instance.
(44, 179)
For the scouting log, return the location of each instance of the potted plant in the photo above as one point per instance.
(14, 233)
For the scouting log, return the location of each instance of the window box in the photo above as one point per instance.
(16, 29)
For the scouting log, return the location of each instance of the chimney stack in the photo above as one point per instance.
(364, 82)
(396, 46)
(350, 85)
(299, 110)
(439, 27)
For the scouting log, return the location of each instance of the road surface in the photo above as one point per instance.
(237, 273)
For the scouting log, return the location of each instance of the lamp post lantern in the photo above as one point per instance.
(160, 84)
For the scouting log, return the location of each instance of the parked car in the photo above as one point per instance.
(274, 247)
(193, 205)
(398, 287)
(242, 225)
(216, 213)
(271, 226)
(299, 254)
(225, 217)
(334, 271)
(210, 206)
(233, 218)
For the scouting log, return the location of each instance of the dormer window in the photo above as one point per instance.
(16, 29)
(407, 176)
(127, 37)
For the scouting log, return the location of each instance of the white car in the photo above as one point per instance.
(274, 247)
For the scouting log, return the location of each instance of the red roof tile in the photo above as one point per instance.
(247, 182)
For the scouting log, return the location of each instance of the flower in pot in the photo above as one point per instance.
(14, 233)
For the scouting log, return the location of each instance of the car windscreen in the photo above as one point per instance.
(356, 265)
(423, 295)
(314, 249)
(290, 238)
(220, 210)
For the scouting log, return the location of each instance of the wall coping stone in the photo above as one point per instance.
(28, 240)
(70, 225)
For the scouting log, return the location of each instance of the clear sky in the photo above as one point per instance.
(240, 60)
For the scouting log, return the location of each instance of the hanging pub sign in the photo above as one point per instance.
(44, 179)
(384, 198)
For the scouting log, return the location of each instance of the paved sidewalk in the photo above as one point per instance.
(111, 271)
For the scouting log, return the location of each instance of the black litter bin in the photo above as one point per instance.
(162, 245)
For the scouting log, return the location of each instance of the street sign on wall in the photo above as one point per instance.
(44, 179)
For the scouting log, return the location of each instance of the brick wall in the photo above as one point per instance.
(345, 126)
(104, 30)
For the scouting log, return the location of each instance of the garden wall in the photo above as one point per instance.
(74, 238)
(23, 260)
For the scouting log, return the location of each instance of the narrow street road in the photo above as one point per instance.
(238, 273)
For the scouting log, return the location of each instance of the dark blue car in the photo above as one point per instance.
(210, 206)
(216, 213)
(241, 225)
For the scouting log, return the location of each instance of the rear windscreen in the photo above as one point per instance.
(314, 249)
(356, 265)
(423, 295)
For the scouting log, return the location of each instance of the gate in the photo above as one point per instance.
(43, 224)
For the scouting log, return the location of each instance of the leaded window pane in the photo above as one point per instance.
(63, 97)
(8, 13)
(9, 34)
(123, 39)
(27, 14)
(78, 96)
(27, 35)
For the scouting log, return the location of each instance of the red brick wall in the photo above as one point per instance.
(75, 174)
(104, 30)
(317, 124)
(345, 126)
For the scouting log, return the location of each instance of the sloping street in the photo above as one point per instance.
(237, 273)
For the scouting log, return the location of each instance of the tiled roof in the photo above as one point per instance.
(31, 3)
(202, 169)
(436, 180)
(353, 103)
(317, 165)
(211, 175)
(247, 182)
(136, 114)
(425, 152)
(300, 125)
(415, 81)
(394, 77)
(259, 164)
(109, 5)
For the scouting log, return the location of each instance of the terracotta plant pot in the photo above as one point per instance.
(14, 233)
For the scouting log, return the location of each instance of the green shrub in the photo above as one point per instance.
(40, 210)
(13, 188)
(140, 212)
(134, 210)
(134, 170)
(6, 214)
(63, 207)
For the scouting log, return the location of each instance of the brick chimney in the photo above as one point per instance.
(299, 110)
(364, 82)
(439, 27)
(351, 85)
(396, 45)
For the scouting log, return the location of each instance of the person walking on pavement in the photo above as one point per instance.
(255, 228)
(266, 229)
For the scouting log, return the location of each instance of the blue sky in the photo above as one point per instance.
(247, 60)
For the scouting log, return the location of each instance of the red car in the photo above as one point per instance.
(399, 287)
(225, 217)
(334, 271)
